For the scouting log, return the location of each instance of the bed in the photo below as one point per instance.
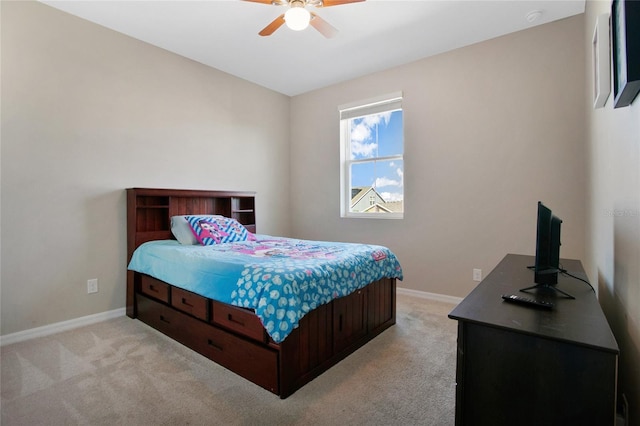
(280, 349)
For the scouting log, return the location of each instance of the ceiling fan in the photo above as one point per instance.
(297, 17)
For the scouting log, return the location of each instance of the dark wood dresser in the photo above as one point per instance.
(522, 365)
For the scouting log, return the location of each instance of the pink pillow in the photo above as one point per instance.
(210, 230)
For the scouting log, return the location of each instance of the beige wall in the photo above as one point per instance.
(87, 112)
(613, 226)
(490, 129)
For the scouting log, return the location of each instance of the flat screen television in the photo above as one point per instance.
(547, 263)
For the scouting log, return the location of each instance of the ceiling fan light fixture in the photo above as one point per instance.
(297, 18)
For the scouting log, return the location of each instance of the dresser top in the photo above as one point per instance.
(577, 321)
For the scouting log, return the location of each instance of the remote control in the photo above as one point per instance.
(527, 301)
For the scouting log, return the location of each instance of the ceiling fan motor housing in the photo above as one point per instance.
(297, 17)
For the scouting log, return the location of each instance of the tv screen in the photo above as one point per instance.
(547, 263)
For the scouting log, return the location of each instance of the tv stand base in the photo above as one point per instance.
(545, 287)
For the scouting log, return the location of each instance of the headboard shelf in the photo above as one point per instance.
(149, 210)
(151, 201)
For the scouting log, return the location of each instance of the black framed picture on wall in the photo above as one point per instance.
(625, 40)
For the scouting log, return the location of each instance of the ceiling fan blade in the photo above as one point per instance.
(274, 25)
(327, 3)
(260, 1)
(325, 28)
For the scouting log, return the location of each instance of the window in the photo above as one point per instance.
(372, 158)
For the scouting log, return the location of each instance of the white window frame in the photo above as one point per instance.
(389, 102)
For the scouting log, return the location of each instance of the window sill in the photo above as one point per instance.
(372, 216)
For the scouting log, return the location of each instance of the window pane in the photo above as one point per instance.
(377, 187)
(371, 158)
(376, 135)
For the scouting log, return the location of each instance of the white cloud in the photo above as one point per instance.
(363, 149)
(375, 119)
(361, 133)
(391, 196)
(383, 181)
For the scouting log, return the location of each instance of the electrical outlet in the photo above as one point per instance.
(92, 286)
(477, 274)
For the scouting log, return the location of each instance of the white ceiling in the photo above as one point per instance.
(373, 35)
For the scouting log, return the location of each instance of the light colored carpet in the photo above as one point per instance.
(123, 372)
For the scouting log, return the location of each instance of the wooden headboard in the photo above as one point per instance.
(149, 212)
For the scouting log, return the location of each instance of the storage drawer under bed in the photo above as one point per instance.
(154, 288)
(250, 360)
(239, 320)
(190, 303)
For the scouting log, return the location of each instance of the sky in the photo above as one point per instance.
(375, 136)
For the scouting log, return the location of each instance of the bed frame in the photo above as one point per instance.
(234, 337)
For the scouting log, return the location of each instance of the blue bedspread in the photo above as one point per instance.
(281, 279)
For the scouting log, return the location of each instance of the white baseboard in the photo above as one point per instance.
(58, 327)
(431, 296)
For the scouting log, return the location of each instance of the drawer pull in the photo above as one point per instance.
(163, 319)
(213, 345)
(152, 288)
(185, 303)
(232, 319)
